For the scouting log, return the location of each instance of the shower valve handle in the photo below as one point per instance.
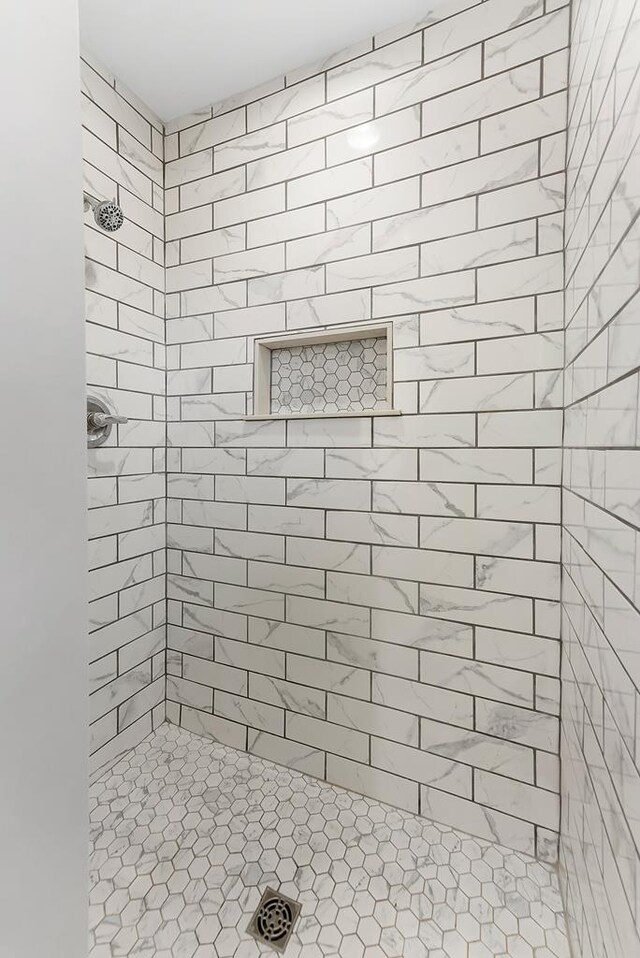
(98, 420)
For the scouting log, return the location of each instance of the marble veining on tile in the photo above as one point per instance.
(187, 833)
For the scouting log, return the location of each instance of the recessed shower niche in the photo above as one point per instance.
(342, 372)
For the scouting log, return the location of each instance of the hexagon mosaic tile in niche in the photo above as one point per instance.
(347, 376)
(187, 834)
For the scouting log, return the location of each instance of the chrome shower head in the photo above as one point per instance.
(107, 214)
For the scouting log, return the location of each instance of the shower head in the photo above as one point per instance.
(107, 214)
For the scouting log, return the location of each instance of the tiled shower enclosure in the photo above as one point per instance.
(372, 598)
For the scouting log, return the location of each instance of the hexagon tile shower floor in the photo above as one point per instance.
(187, 833)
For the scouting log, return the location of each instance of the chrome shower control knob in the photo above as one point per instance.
(100, 422)
(97, 420)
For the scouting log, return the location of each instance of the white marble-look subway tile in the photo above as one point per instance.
(117, 167)
(206, 134)
(292, 580)
(213, 461)
(528, 41)
(188, 589)
(424, 498)
(481, 99)
(287, 520)
(479, 820)
(541, 427)
(250, 321)
(239, 709)
(283, 752)
(249, 434)
(336, 739)
(300, 699)
(97, 121)
(369, 590)
(430, 153)
(242, 655)
(441, 431)
(477, 465)
(526, 503)
(214, 515)
(480, 751)
(350, 111)
(534, 198)
(290, 463)
(432, 362)
(117, 107)
(477, 393)
(286, 103)
(380, 134)
(373, 204)
(290, 285)
(423, 565)
(286, 226)
(284, 166)
(429, 223)
(435, 292)
(373, 270)
(212, 726)
(190, 276)
(339, 181)
(250, 206)
(331, 676)
(231, 239)
(179, 225)
(251, 147)
(249, 545)
(325, 554)
(287, 638)
(375, 67)
(455, 708)
(422, 632)
(250, 489)
(475, 536)
(329, 246)
(501, 244)
(478, 608)
(375, 656)
(327, 433)
(211, 189)
(373, 718)
(398, 464)
(516, 724)
(372, 781)
(331, 309)
(430, 81)
(119, 690)
(521, 353)
(480, 175)
(477, 678)
(380, 528)
(140, 157)
(478, 24)
(245, 601)
(450, 776)
(187, 168)
(538, 805)
(327, 493)
(520, 124)
(117, 286)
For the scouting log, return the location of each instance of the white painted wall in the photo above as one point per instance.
(43, 722)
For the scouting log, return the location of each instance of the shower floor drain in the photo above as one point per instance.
(274, 919)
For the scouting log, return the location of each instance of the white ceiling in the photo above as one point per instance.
(180, 55)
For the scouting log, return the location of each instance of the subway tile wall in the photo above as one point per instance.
(376, 601)
(600, 844)
(123, 158)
